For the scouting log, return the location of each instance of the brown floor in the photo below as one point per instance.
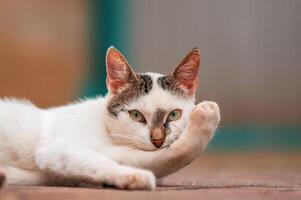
(222, 176)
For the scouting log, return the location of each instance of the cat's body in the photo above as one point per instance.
(96, 140)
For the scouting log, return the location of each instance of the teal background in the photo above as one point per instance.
(254, 137)
(109, 27)
(111, 24)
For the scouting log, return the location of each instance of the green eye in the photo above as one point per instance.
(174, 115)
(136, 116)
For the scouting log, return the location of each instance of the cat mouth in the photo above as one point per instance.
(154, 148)
(141, 145)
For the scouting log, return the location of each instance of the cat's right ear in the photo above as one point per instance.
(185, 75)
(119, 72)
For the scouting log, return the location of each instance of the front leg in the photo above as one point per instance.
(69, 163)
(203, 122)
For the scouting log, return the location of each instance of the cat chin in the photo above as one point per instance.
(146, 147)
(151, 147)
(154, 148)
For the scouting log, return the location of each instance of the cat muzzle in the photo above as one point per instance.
(157, 137)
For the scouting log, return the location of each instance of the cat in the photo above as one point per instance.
(146, 127)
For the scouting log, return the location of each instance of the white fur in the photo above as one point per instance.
(74, 142)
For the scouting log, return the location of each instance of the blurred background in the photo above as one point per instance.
(52, 52)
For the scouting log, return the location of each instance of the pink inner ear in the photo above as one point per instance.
(115, 86)
(189, 86)
(186, 74)
(118, 70)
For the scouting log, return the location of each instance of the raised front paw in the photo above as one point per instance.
(205, 116)
(136, 179)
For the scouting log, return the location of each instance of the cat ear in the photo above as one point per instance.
(186, 73)
(119, 72)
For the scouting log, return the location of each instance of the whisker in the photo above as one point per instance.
(135, 141)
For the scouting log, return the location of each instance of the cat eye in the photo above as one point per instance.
(174, 115)
(136, 116)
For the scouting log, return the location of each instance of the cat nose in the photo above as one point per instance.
(157, 143)
(157, 137)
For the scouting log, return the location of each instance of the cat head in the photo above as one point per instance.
(149, 110)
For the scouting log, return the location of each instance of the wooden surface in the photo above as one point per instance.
(222, 176)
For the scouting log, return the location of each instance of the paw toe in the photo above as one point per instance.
(206, 112)
(136, 180)
(209, 105)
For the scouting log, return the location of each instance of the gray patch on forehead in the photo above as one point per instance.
(138, 87)
(158, 117)
(145, 83)
(168, 83)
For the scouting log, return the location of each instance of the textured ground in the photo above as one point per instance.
(212, 176)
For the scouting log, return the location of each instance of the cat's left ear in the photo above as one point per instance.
(186, 73)
(119, 72)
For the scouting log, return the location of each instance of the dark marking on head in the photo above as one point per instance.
(168, 83)
(158, 118)
(136, 88)
(146, 83)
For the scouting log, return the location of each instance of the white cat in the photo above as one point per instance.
(147, 126)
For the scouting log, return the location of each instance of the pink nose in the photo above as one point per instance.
(157, 137)
(157, 143)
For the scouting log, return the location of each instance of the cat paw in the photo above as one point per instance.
(136, 179)
(205, 116)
